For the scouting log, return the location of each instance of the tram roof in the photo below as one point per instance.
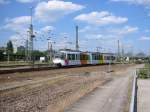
(78, 51)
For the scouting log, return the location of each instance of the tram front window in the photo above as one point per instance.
(60, 55)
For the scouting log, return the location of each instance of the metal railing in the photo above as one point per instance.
(133, 103)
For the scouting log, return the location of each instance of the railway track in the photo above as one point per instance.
(15, 80)
(33, 87)
(26, 69)
(36, 68)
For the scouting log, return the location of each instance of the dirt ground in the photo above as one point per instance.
(113, 96)
(19, 77)
(53, 90)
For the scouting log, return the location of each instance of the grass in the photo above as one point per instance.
(143, 73)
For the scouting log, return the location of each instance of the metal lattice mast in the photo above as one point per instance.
(26, 50)
(118, 50)
(31, 36)
(122, 53)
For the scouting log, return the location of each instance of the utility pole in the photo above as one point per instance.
(65, 41)
(26, 51)
(109, 64)
(50, 49)
(118, 50)
(51, 52)
(8, 57)
(77, 36)
(97, 48)
(31, 36)
(122, 53)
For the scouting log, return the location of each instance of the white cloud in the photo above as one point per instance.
(107, 32)
(145, 38)
(19, 27)
(138, 2)
(4, 1)
(44, 32)
(147, 30)
(101, 18)
(85, 29)
(94, 36)
(26, 1)
(105, 37)
(47, 29)
(53, 10)
(125, 30)
(17, 23)
(17, 41)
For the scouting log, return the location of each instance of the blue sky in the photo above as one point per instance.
(101, 23)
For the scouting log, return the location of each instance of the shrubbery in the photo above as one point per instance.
(143, 73)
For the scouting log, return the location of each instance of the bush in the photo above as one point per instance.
(143, 74)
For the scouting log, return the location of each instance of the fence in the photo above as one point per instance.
(133, 103)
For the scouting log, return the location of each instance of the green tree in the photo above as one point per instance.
(1, 55)
(20, 54)
(9, 50)
(140, 54)
(37, 54)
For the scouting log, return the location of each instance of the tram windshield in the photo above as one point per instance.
(60, 55)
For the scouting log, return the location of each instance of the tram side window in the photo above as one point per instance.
(97, 56)
(101, 57)
(73, 56)
(80, 56)
(83, 57)
(69, 56)
(77, 57)
(93, 57)
(105, 57)
(113, 58)
(88, 57)
(108, 57)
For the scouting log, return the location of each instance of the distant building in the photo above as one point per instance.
(15, 49)
(2, 48)
(21, 48)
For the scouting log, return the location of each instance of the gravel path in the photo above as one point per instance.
(143, 95)
(112, 97)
